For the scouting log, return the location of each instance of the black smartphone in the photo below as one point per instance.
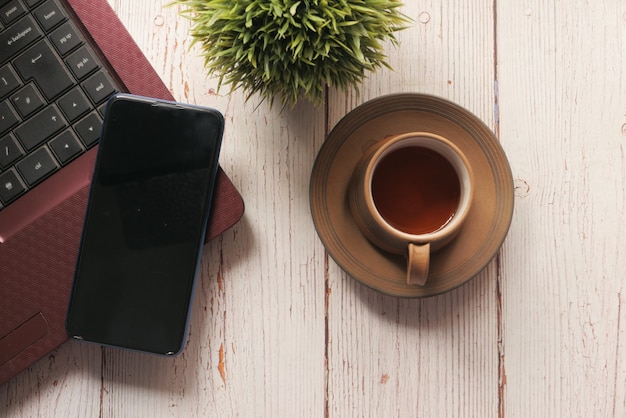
(144, 229)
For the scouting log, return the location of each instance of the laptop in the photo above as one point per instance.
(59, 62)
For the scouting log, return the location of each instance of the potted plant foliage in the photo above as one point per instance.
(292, 49)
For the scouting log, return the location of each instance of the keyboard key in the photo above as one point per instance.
(53, 92)
(99, 87)
(36, 166)
(10, 151)
(66, 146)
(41, 64)
(89, 128)
(27, 100)
(82, 62)
(32, 3)
(74, 104)
(40, 127)
(8, 80)
(8, 118)
(11, 12)
(49, 15)
(65, 38)
(102, 109)
(13, 40)
(11, 186)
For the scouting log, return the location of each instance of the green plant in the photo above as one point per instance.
(292, 49)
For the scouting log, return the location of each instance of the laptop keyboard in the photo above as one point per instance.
(53, 89)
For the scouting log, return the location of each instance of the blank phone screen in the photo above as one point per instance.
(144, 229)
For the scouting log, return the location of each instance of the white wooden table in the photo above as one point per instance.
(278, 330)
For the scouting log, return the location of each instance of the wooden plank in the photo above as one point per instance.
(65, 383)
(563, 108)
(438, 356)
(257, 329)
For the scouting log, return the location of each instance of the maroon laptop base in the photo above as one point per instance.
(37, 261)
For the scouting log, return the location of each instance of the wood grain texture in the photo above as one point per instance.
(439, 356)
(257, 330)
(278, 329)
(561, 71)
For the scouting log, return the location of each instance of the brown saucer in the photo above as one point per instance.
(483, 232)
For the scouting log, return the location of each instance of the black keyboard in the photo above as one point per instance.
(53, 90)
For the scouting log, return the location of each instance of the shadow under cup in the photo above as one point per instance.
(410, 194)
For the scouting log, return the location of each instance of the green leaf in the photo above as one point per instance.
(288, 49)
(294, 8)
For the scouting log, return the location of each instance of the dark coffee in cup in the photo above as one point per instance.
(415, 189)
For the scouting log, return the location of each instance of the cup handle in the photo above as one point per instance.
(418, 263)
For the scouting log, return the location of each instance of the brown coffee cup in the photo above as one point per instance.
(410, 194)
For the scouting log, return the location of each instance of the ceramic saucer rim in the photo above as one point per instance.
(387, 106)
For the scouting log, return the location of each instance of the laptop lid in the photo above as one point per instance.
(40, 232)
